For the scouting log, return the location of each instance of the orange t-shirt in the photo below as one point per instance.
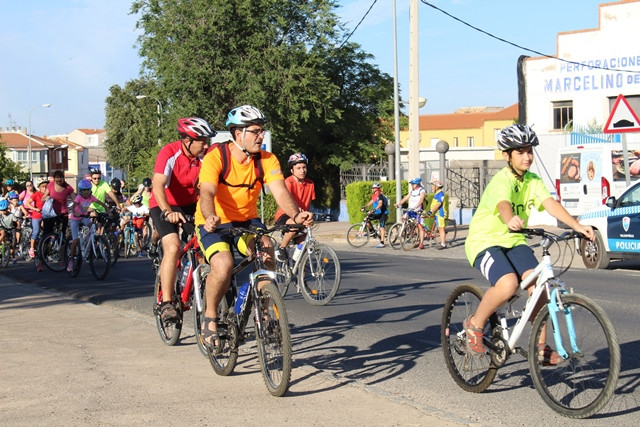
(236, 203)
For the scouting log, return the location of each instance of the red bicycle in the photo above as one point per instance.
(186, 290)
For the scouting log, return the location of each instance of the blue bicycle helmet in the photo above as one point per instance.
(4, 205)
(417, 181)
(12, 195)
(85, 184)
(10, 182)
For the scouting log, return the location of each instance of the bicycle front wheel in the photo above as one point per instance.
(274, 340)
(51, 251)
(357, 235)
(99, 257)
(410, 237)
(5, 255)
(393, 237)
(169, 331)
(114, 247)
(319, 275)
(452, 231)
(582, 384)
(470, 372)
(284, 276)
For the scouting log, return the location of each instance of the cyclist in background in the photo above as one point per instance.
(8, 224)
(138, 214)
(504, 258)
(34, 208)
(61, 192)
(81, 207)
(19, 212)
(437, 211)
(228, 200)
(380, 210)
(9, 186)
(416, 199)
(303, 191)
(174, 195)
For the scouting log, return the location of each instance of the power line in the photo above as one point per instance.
(354, 30)
(522, 47)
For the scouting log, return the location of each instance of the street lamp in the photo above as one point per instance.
(29, 151)
(159, 110)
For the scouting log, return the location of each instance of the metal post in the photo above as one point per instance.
(396, 113)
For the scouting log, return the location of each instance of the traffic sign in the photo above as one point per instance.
(622, 118)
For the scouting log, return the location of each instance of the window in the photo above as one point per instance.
(455, 141)
(562, 114)
(470, 141)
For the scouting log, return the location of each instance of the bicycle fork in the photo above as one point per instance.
(556, 306)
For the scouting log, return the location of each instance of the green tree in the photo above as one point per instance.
(8, 168)
(284, 56)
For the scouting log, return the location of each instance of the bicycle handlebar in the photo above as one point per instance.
(239, 231)
(567, 235)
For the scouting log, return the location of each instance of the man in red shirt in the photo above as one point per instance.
(174, 195)
(303, 191)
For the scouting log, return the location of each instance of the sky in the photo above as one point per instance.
(68, 53)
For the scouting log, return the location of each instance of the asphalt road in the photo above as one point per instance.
(381, 332)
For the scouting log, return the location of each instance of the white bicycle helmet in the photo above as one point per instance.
(243, 116)
(517, 136)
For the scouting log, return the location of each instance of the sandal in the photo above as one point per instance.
(474, 343)
(210, 338)
(168, 312)
(547, 356)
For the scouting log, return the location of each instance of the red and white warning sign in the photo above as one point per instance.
(622, 118)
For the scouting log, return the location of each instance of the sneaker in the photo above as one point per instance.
(140, 254)
(281, 255)
(153, 250)
(32, 253)
(441, 247)
(70, 266)
(381, 245)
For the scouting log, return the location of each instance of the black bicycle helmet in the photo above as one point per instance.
(147, 182)
(115, 184)
(517, 136)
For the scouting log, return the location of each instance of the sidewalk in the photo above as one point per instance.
(66, 362)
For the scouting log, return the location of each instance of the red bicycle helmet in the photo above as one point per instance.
(194, 128)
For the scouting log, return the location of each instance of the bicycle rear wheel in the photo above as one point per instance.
(169, 331)
(319, 275)
(99, 257)
(393, 238)
(274, 340)
(224, 360)
(51, 252)
(128, 242)
(357, 235)
(582, 384)
(470, 372)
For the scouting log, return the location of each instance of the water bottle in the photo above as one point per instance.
(242, 297)
(298, 251)
(184, 274)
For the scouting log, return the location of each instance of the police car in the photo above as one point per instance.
(617, 229)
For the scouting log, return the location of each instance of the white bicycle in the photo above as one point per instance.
(93, 249)
(579, 329)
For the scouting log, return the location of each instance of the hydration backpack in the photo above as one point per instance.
(225, 157)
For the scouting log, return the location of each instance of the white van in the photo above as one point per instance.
(591, 173)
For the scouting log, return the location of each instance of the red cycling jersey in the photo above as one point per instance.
(181, 172)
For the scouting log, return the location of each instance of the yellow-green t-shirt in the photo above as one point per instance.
(487, 228)
(236, 203)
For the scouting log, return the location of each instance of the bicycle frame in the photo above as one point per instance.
(545, 280)
(306, 246)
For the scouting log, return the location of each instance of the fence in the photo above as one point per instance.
(465, 180)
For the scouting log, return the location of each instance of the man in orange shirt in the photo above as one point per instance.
(303, 191)
(229, 198)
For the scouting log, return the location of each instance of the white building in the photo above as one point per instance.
(604, 62)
